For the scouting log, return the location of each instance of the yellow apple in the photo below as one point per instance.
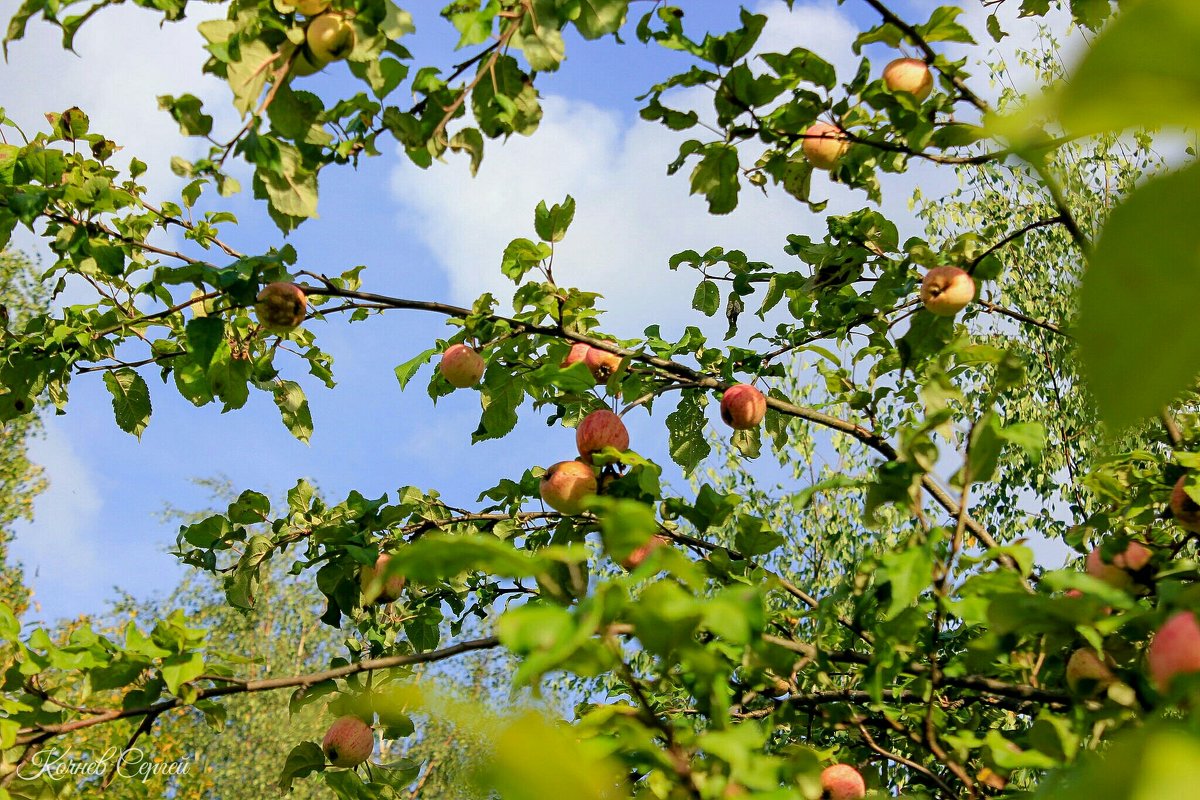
(566, 485)
(824, 145)
(461, 366)
(910, 75)
(390, 587)
(947, 290)
(330, 36)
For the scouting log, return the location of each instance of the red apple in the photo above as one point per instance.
(1087, 673)
(566, 485)
(389, 589)
(281, 306)
(947, 290)
(602, 363)
(824, 145)
(843, 782)
(461, 366)
(910, 75)
(348, 742)
(598, 430)
(1118, 574)
(1175, 649)
(1185, 509)
(743, 407)
(578, 354)
(639, 554)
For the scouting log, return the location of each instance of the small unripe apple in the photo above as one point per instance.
(348, 742)
(743, 407)
(392, 586)
(598, 430)
(910, 75)
(947, 290)
(330, 36)
(639, 554)
(281, 306)
(1175, 649)
(843, 782)
(1185, 509)
(602, 363)
(461, 366)
(566, 485)
(1087, 673)
(824, 145)
(311, 8)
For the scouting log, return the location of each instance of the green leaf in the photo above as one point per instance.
(131, 400)
(755, 537)
(293, 407)
(716, 177)
(551, 223)
(179, 669)
(685, 425)
(248, 74)
(597, 18)
(1143, 71)
(909, 572)
(469, 141)
(203, 335)
(406, 371)
(1138, 300)
(707, 298)
(239, 587)
(304, 759)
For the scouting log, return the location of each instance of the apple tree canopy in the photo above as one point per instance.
(883, 608)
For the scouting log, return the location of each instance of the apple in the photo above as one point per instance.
(566, 485)
(1185, 509)
(305, 63)
(843, 782)
(311, 8)
(577, 354)
(281, 306)
(461, 366)
(743, 407)
(910, 75)
(602, 363)
(1087, 673)
(639, 554)
(348, 742)
(598, 430)
(947, 290)
(1175, 649)
(1117, 574)
(389, 589)
(824, 145)
(330, 36)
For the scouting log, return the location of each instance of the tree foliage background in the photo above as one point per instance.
(879, 606)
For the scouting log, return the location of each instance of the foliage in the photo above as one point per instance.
(889, 615)
(21, 297)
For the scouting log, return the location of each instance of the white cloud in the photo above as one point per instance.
(59, 550)
(125, 60)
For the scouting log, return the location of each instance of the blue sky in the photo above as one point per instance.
(433, 234)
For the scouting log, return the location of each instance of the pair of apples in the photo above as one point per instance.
(825, 144)
(328, 37)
